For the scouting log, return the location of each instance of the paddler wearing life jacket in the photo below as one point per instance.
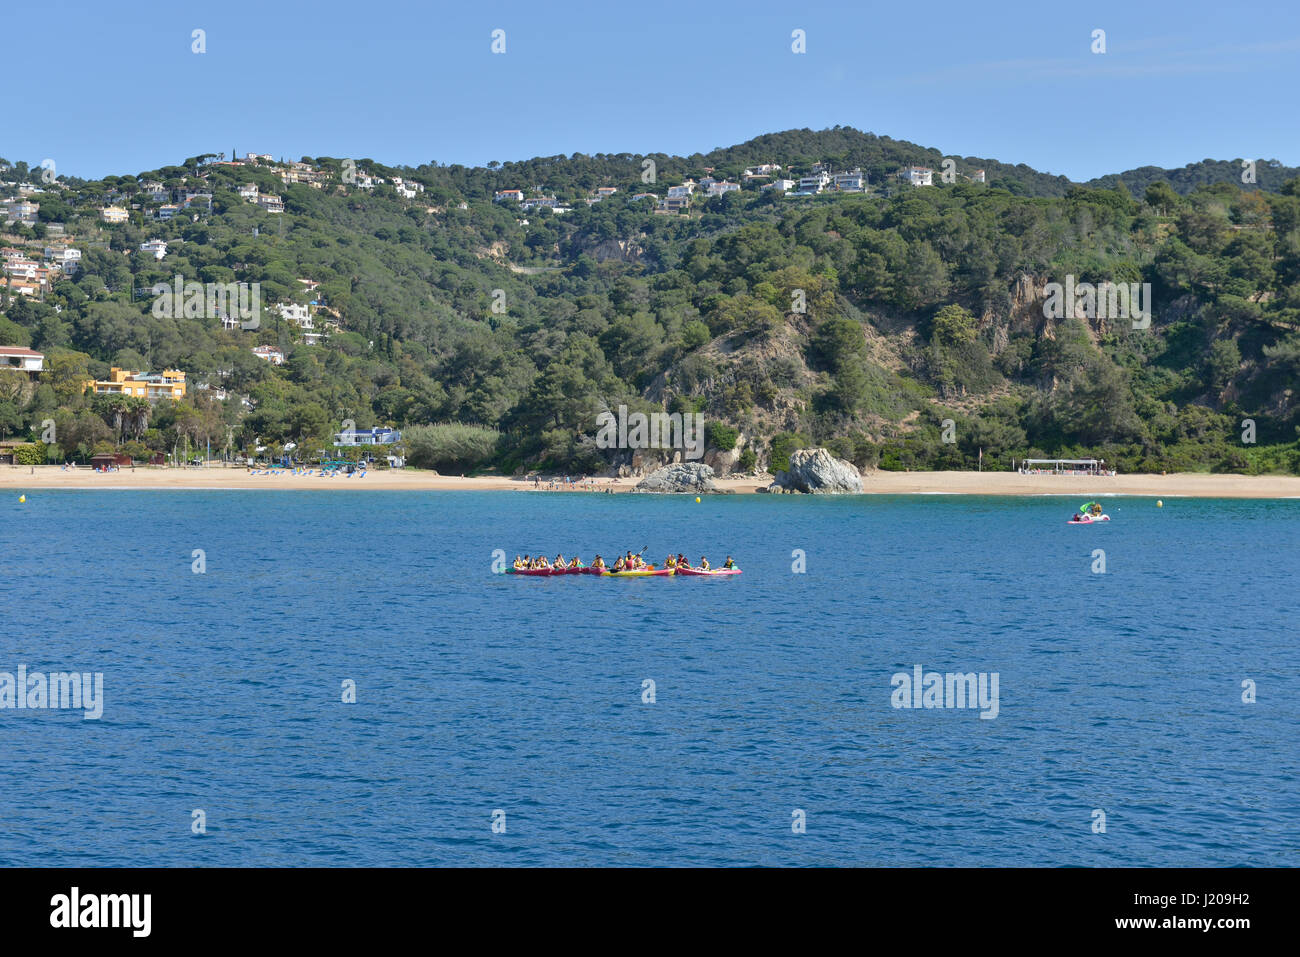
(729, 563)
(598, 562)
(670, 562)
(704, 563)
(519, 562)
(619, 564)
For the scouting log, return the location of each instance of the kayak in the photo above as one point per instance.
(640, 573)
(711, 571)
(584, 570)
(1089, 521)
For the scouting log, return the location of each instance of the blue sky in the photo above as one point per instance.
(116, 88)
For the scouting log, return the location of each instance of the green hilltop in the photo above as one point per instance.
(493, 335)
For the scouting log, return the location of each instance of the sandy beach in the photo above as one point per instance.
(24, 478)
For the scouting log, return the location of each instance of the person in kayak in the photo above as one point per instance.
(704, 564)
(598, 562)
(670, 562)
(559, 561)
(729, 563)
(542, 562)
(619, 564)
(682, 561)
(519, 562)
(575, 562)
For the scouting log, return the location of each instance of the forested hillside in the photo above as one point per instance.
(494, 336)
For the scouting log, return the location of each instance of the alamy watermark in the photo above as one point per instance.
(209, 300)
(58, 689)
(657, 430)
(1104, 300)
(930, 689)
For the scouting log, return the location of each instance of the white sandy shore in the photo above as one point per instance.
(26, 478)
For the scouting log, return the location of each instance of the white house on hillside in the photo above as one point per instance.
(918, 175)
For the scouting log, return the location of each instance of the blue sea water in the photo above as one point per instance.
(1118, 691)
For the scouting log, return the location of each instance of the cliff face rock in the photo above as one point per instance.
(722, 462)
(695, 477)
(616, 250)
(817, 471)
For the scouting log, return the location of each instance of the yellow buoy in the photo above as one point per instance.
(697, 499)
(1159, 504)
(22, 499)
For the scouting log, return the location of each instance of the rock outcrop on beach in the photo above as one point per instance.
(695, 477)
(817, 471)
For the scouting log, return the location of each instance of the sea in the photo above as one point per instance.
(342, 678)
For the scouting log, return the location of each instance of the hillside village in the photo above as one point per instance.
(31, 267)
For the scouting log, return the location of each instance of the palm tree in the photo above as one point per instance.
(137, 414)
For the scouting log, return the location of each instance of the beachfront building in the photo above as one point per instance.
(1087, 467)
(25, 360)
(168, 384)
(376, 436)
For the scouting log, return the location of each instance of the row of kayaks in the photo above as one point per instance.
(650, 572)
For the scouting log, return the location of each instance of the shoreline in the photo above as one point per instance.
(23, 479)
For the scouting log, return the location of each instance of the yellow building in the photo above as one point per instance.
(168, 384)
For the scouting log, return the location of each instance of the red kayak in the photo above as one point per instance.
(712, 571)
